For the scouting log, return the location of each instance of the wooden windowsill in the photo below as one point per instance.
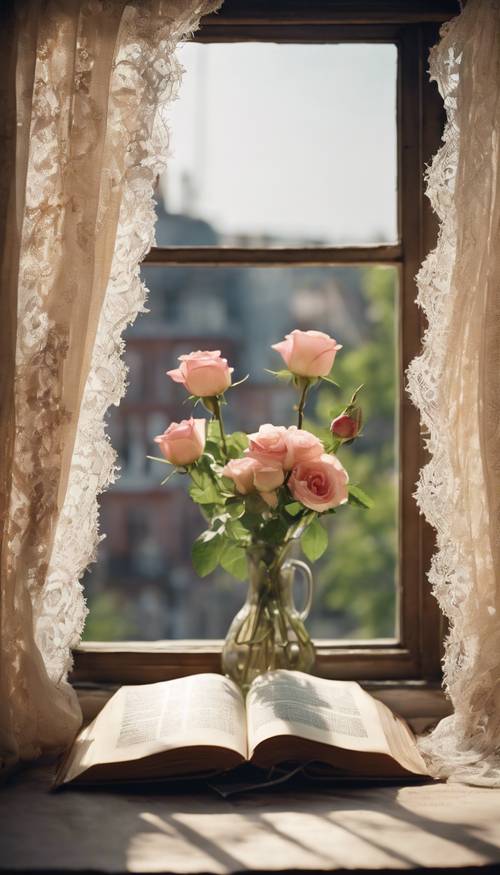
(210, 256)
(355, 828)
(148, 661)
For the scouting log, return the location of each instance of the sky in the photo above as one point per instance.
(293, 141)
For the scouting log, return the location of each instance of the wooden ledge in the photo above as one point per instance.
(185, 830)
(148, 661)
(220, 256)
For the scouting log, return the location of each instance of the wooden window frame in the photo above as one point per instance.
(415, 654)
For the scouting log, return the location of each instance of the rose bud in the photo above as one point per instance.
(204, 373)
(348, 425)
(308, 353)
(183, 442)
(320, 484)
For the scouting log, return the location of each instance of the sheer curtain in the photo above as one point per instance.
(456, 385)
(84, 92)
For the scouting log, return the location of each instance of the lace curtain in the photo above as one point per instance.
(84, 97)
(456, 385)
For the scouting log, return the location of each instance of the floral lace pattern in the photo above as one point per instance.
(455, 382)
(97, 77)
(148, 73)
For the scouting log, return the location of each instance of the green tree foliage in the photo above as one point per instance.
(108, 619)
(356, 580)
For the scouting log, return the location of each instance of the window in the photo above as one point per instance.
(258, 227)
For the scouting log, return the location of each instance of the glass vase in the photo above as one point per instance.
(268, 632)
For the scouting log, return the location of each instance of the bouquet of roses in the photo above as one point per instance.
(271, 487)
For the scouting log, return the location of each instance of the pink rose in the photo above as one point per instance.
(347, 425)
(183, 442)
(268, 444)
(249, 474)
(319, 484)
(308, 353)
(267, 477)
(302, 446)
(241, 471)
(203, 373)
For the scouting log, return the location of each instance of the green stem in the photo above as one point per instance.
(302, 403)
(218, 416)
(304, 521)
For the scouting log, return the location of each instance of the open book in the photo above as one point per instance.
(201, 725)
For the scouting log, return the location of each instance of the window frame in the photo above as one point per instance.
(415, 654)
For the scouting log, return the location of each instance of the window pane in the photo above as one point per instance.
(282, 145)
(143, 585)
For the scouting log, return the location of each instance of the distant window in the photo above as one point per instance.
(289, 145)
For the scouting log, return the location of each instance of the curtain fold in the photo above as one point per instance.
(85, 93)
(456, 385)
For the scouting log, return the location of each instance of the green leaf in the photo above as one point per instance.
(294, 508)
(169, 477)
(157, 459)
(194, 398)
(356, 392)
(217, 469)
(209, 510)
(283, 374)
(237, 442)
(238, 382)
(332, 444)
(234, 561)
(360, 498)
(213, 430)
(252, 521)
(203, 490)
(220, 518)
(332, 382)
(314, 541)
(274, 531)
(204, 465)
(214, 449)
(227, 487)
(206, 552)
(236, 530)
(235, 508)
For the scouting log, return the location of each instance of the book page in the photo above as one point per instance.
(400, 740)
(337, 713)
(138, 721)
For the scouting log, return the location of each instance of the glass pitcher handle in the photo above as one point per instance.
(309, 583)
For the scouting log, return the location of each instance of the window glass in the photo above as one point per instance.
(283, 144)
(143, 585)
